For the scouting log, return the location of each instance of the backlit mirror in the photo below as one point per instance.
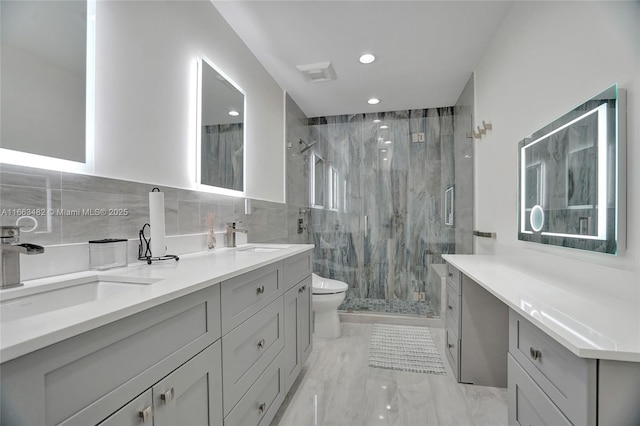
(221, 115)
(571, 178)
(47, 81)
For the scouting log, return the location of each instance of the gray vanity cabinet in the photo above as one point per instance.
(476, 332)
(217, 356)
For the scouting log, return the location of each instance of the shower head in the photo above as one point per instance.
(306, 145)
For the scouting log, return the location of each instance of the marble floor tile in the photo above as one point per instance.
(337, 387)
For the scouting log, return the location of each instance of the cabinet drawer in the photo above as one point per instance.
(570, 381)
(260, 404)
(245, 295)
(453, 309)
(249, 348)
(528, 404)
(453, 278)
(296, 268)
(452, 349)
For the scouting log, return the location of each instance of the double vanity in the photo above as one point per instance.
(569, 352)
(216, 338)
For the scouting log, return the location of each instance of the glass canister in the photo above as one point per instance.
(108, 253)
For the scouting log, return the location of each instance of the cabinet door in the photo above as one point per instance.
(191, 395)
(292, 356)
(297, 329)
(137, 412)
(305, 333)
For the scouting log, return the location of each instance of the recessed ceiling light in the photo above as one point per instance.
(385, 158)
(383, 150)
(373, 101)
(367, 58)
(384, 126)
(388, 142)
(377, 120)
(234, 113)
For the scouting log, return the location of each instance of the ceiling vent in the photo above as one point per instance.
(322, 71)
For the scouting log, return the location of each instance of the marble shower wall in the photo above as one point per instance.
(389, 226)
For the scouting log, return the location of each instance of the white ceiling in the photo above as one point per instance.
(426, 49)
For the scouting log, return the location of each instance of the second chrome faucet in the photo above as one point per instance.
(230, 240)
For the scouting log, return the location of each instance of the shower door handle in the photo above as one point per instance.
(366, 226)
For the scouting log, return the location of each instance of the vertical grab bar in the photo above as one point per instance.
(366, 226)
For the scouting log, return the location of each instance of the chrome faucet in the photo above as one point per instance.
(10, 252)
(231, 234)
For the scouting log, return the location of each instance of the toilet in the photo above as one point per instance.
(328, 294)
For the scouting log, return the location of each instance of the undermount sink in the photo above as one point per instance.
(262, 249)
(27, 301)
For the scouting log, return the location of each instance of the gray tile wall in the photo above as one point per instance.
(297, 174)
(63, 194)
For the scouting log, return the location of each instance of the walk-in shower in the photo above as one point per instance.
(402, 185)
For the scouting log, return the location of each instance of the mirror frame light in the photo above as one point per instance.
(9, 156)
(202, 186)
(611, 184)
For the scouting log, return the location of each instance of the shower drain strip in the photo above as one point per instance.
(404, 348)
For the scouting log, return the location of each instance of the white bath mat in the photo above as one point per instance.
(405, 348)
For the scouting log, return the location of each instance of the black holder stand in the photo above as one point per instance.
(144, 249)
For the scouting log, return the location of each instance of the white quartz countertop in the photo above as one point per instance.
(589, 321)
(191, 273)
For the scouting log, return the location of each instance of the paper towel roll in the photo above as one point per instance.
(156, 223)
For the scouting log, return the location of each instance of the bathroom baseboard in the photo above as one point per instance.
(371, 318)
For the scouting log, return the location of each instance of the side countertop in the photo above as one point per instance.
(587, 320)
(191, 273)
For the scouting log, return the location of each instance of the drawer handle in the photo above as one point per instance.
(262, 407)
(260, 343)
(260, 290)
(450, 307)
(451, 274)
(450, 345)
(535, 353)
(302, 289)
(146, 414)
(167, 397)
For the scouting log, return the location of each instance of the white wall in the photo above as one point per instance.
(146, 55)
(547, 58)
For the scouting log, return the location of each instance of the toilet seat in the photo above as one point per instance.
(327, 286)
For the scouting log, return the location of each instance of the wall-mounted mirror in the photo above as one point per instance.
(318, 184)
(47, 81)
(220, 121)
(571, 178)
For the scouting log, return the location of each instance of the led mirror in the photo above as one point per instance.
(571, 178)
(47, 65)
(220, 131)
